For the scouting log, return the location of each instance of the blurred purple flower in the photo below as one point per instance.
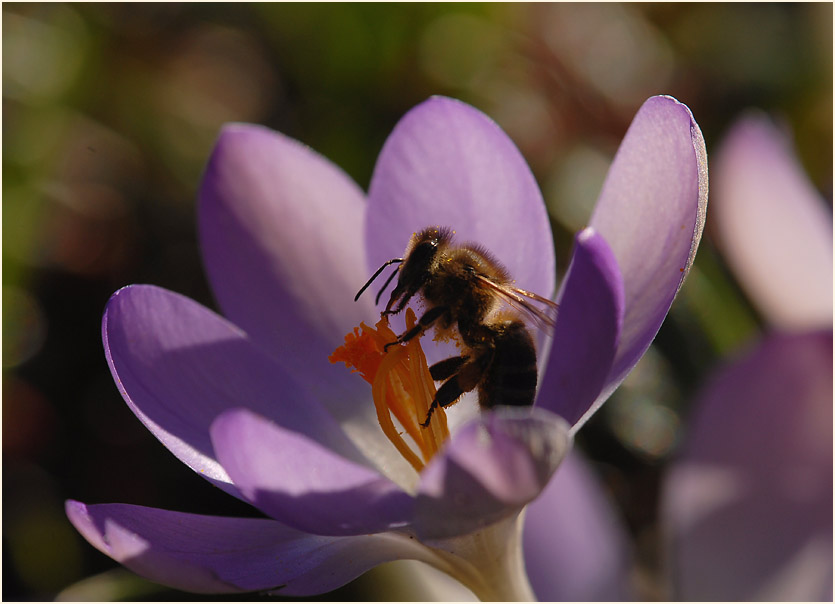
(773, 227)
(253, 404)
(748, 506)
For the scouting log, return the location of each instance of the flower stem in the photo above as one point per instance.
(489, 562)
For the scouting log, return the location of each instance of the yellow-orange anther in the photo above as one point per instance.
(401, 386)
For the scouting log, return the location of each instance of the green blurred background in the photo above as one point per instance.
(110, 111)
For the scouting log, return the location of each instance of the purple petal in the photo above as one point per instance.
(748, 507)
(304, 484)
(448, 164)
(210, 554)
(773, 226)
(651, 211)
(178, 366)
(575, 545)
(488, 470)
(587, 330)
(281, 230)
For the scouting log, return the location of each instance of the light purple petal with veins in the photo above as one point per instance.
(774, 228)
(303, 483)
(488, 470)
(448, 164)
(281, 231)
(587, 331)
(748, 506)
(651, 211)
(178, 366)
(210, 554)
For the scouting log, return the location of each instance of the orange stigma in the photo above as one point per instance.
(401, 386)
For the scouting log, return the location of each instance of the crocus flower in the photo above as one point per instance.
(748, 504)
(773, 227)
(251, 402)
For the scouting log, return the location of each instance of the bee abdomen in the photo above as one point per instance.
(511, 377)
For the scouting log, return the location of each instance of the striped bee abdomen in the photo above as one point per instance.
(511, 377)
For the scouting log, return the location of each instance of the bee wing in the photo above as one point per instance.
(520, 300)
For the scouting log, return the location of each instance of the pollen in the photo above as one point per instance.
(401, 387)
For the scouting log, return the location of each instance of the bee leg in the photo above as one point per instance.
(432, 408)
(466, 379)
(399, 293)
(424, 323)
(445, 369)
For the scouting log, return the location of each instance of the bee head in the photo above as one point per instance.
(417, 264)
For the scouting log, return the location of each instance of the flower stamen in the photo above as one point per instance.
(401, 385)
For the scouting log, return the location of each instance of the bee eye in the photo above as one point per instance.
(423, 253)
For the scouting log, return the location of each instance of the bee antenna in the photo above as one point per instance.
(382, 289)
(377, 274)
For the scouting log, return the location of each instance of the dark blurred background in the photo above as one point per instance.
(110, 111)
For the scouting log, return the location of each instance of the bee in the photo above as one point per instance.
(465, 288)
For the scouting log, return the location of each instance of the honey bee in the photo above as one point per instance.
(464, 287)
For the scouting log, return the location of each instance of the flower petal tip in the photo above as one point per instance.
(79, 516)
(231, 130)
(74, 509)
(586, 235)
(667, 100)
